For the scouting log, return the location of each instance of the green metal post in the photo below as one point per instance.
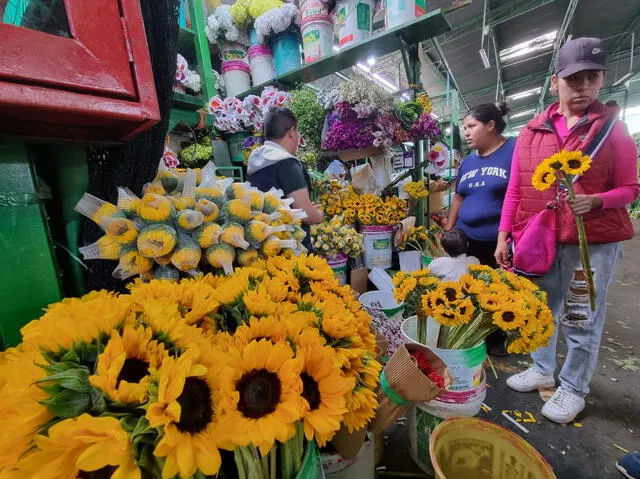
(198, 23)
(28, 275)
(419, 145)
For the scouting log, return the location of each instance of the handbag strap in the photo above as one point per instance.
(594, 146)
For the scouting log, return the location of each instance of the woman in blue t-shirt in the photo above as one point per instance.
(482, 180)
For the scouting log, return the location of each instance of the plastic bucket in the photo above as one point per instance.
(354, 20)
(377, 246)
(465, 365)
(236, 77)
(338, 264)
(311, 467)
(317, 39)
(253, 38)
(362, 466)
(233, 51)
(313, 10)
(399, 12)
(422, 420)
(388, 304)
(426, 261)
(463, 448)
(287, 52)
(261, 64)
(235, 142)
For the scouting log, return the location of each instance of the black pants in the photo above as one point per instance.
(484, 251)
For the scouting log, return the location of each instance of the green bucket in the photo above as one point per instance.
(311, 466)
(426, 261)
(389, 305)
(236, 145)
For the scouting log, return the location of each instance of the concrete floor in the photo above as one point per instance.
(589, 448)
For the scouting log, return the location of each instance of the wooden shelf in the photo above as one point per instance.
(428, 26)
(184, 100)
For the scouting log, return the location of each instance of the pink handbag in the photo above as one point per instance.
(534, 243)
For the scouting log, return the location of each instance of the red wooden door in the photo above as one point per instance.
(80, 73)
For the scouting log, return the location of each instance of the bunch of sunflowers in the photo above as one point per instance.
(477, 305)
(154, 383)
(416, 189)
(333, 237)
(190, 222)
(332, 196)
(369, 209)
(424, 240)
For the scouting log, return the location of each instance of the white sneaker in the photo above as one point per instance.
(563, 407)
(530, 380)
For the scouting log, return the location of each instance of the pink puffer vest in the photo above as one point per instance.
(537, 141)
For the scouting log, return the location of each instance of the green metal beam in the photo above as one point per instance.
(510, 10)
(633, 25)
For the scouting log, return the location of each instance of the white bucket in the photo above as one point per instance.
(388, 304)
(233, 51)
(354, 20)
(377, 246)
(423, 418)
(317, 39)
(399, 12)
(236, 77)
(338, 264)
(261, 63)
(312, 9)
(363, 466)
(465, 366)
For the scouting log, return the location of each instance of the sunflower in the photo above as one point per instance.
(574, 163)
(168, 327)
(313, 268)
(450, 290)
(264, 328)
(470, 285)
(555, 161)
(81, 444)
(490, 301)
(76, 320)
(21, 410)
(123, 369)
(509, 316)
(323, 388)
(187, 409)
(258, 302)
(262, 394)
(543, 177)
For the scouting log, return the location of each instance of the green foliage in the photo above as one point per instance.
(408, 112)
(196, 155)
(306, 107)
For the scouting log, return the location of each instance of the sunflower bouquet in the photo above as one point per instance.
(156, 383)
(410, 288)
(369, 209)
(332, 194)
(416, 190)
(564, 168)
(424, 240)
(189, 223)
(334, 237)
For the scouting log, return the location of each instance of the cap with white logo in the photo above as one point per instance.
(580, 54)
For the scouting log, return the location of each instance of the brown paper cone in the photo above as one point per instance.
(382, 346)
(347, 443)
(405, 378)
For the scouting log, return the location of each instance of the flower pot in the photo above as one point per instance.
(360, 466)
(389, 306)
(377, 246)
(235, 141)
(338, 264)
(287, 51)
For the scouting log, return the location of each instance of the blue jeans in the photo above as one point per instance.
(581, 327)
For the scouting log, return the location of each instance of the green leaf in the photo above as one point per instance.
(98, 403)
(74, 379)
(68, 404)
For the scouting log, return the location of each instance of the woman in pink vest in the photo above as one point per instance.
(577, 121)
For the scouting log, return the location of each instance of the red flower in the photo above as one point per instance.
(425, 367)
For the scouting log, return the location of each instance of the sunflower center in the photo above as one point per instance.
(545, 177)
(103, 473)
(196, 408)
(451, 294)
(310, 391)
(574, 164)
(508, 316)
(259, 393)
(133, 370)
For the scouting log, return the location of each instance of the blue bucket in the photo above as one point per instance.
(287, 52)
(253, 37)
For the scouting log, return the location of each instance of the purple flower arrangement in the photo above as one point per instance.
(425, 127)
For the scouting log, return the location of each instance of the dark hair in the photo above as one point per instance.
(491, 111)
(278, 122)
(454, 242)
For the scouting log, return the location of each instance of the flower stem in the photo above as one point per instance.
(584, 246)
(272, 462)
(253, 468)
(422, 326)
(237, 455)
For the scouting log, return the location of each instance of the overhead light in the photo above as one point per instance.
(371, 61)
(336, 48)
(485, 58)
(525, 93)
(434, 115)
(447, 130)
(623, 79)
(406, 96)
(385, 82)
(364, 68)
(541, 42)
(523, 113)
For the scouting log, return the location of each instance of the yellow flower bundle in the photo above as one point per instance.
(176, 222)
(333, 237)
(478, 304)
(416, 189)
(424, 240)
(369, 209)
(156, 382)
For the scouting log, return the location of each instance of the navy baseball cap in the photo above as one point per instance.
(580, 54)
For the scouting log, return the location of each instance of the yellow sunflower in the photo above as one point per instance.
(260, 328)
(575, 163)
(450, 290)
(21, 410)
(324, 388)
(258, 302)
(543, 177)
(509, 316)
(470, 285)
(123, 370)
(490, 301)
(187, 407)
(262, 395)
(80, 444)
(168, 326)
